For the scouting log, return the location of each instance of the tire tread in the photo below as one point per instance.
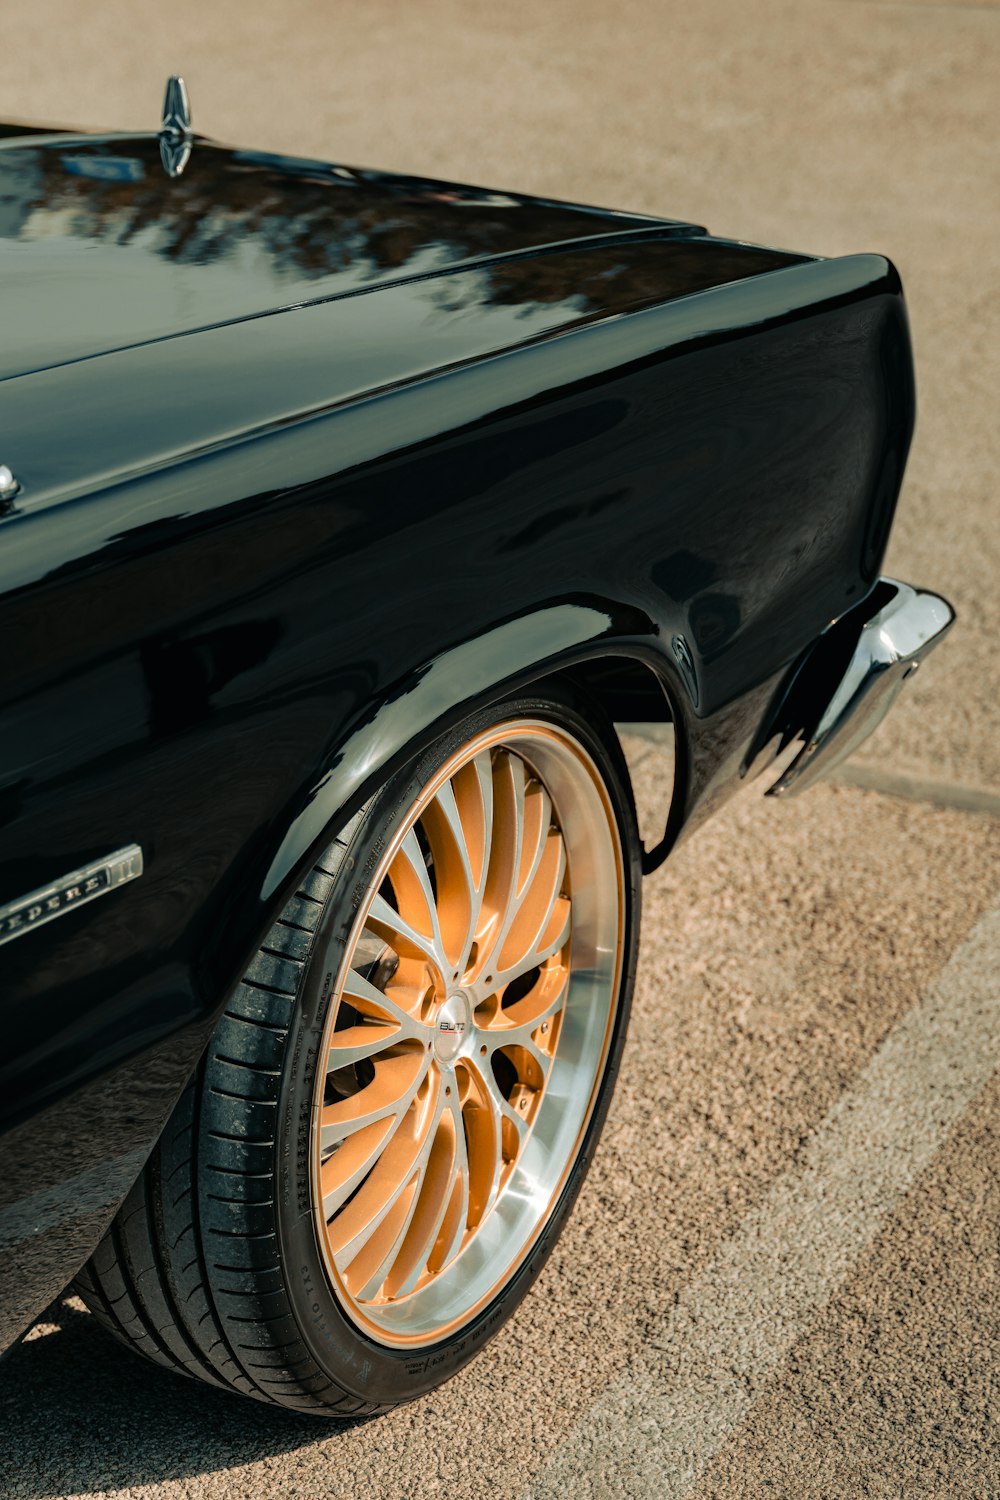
(187, 1274)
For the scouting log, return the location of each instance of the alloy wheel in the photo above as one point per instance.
(467, 1031)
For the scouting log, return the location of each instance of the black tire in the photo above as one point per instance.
(212, 1266)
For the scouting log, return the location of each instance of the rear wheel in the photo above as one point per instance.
(398, 1107)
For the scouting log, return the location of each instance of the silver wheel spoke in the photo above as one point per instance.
(395, 1086)
(355, 1043)
(366, 998)
(523, 1019)
(520, 1036)
(492, 1102)
(502, 1109)
(411, 882)
(401, 935)
(547, 948)
(538, 930)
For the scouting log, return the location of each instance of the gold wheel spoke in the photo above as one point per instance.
(418, 907)
(360, 1265)
(555, 935)
(395, 1171)
(352, 1160)
(541, 923)
(456, 1216)
(505, 853)
(429, 1208)
(393, 1088)
(526, 882)
(459, 826)
(358, 1246)
(490, 1151)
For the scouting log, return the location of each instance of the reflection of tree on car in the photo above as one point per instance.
(322, 222)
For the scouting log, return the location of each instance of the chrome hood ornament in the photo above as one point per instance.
(176, 134)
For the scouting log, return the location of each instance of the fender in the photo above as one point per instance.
(491, 666)
(225, 638)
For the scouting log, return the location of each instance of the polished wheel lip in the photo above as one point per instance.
(560, 1106)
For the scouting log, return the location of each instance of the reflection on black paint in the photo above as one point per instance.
(683, 574)
(554, 520)
(309, 224)
(124, 254)
(183, 676)
(715, 619)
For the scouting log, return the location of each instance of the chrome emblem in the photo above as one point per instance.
(41, 906)
(454, 1019)
(176, 135)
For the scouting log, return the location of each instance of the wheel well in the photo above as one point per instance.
(634, 698)
(629, 691)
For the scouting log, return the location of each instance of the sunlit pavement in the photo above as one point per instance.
(782, 1276)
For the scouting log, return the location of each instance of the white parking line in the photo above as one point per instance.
(654, 1433)
(971, 799)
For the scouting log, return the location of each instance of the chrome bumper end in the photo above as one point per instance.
(849, 679)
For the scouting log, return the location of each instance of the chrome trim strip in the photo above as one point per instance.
(71, 138)
(69, 892)
(889, 649)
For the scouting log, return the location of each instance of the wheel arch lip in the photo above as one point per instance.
(509, 657)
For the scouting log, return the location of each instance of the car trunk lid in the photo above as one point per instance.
(100, 250)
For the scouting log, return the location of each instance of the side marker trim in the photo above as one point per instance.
(69, 892)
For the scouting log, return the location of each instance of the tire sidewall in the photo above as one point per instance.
(374, 1372)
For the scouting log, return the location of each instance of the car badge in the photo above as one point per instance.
(69, 892)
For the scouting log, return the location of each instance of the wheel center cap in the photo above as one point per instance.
(452, 1026)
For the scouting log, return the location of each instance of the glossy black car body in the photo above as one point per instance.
(313, 460)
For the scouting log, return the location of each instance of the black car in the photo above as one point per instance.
(343, 516)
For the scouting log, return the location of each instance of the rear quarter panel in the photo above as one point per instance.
(220, 657)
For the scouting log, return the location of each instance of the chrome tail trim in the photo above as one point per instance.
(847, 682)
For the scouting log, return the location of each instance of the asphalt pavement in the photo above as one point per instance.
(782, 1278)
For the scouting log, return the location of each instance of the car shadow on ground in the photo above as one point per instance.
(79, 1414)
